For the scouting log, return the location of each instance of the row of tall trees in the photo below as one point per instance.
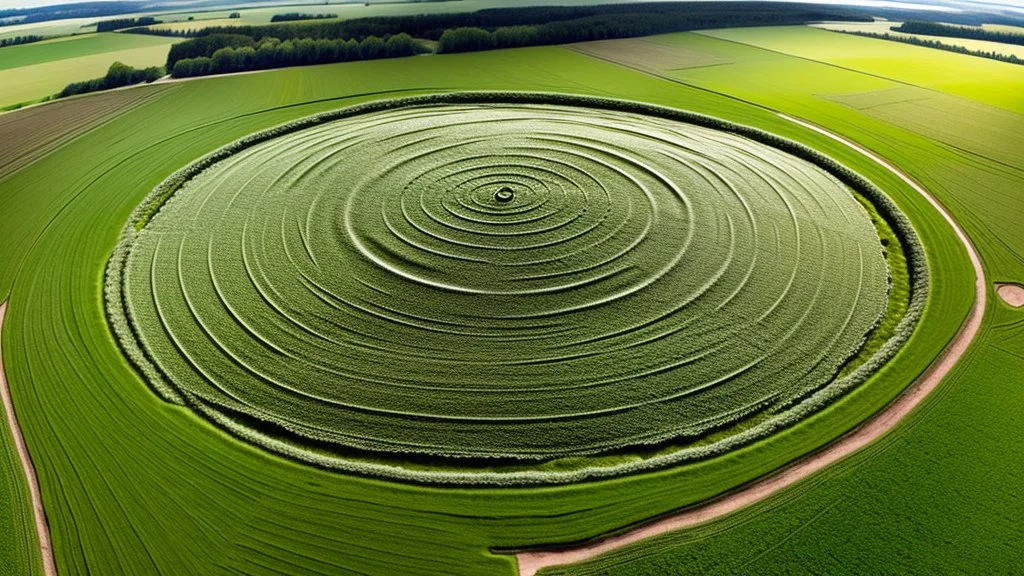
(602, 27)
(928, 43)
(273, 53)
(970, 32)
(432, 26)
(28, 39)
(296, 16)
(118, 75)
(122, 23)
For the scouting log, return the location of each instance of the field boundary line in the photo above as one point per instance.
(42, 526)
(531, 561)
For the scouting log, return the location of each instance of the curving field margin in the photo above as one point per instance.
(42, 526)
(530, 561)
(135, 350)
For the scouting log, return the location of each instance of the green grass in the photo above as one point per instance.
(986, 81)
(883, 27)
(19, 547)
(431, 256)
(940, 494)
(75, 47)
(134, 485)
(884, 498)
(43, 69)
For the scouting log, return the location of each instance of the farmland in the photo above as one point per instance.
(134, 484)
(446, 243)
(33, 71)
(883, 27)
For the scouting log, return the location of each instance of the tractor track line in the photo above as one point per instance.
(42, 526)
(530, 561)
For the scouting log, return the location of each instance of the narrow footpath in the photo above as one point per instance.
(42, 527)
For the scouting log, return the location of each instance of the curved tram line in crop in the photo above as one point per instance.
(434, 288)
(529, 562)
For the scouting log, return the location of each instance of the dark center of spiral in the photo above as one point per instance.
(505, 194)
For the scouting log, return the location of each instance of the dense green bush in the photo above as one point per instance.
(118, 75)
(205, 46)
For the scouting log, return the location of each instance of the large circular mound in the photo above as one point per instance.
(471, 283)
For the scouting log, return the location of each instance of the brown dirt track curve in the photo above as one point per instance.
(42, 527)
(530, 561)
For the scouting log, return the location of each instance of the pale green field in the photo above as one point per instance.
(75, 47)
(28, 83)
(1004, 28)
(987, 81)
(882, 27)
(51, 28)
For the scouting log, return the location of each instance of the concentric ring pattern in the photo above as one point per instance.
(514, 281)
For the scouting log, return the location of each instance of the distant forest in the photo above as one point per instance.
(76, 10)
(295, 16)
(331, 41)
(20, 40)
(122, 23)
(969, 32)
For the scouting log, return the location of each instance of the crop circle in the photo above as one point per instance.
(477, 281)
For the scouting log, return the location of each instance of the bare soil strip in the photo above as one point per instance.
(533, 560)
(42, 527)
(1012, 294)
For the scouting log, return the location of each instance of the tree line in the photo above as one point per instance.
(496, 28)
(118, 75)
(69, 10)
(240, 53)
(623, 25)
(122, 23)
(432, 26)
(1009, 58)
(20, 40)
(294, 16)
(969, 32)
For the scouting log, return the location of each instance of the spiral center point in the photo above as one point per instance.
(505, 194)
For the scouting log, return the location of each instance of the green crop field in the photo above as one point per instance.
(75, 47)
(883, 27)
(220, 290)
(680, 252)
(32, 71)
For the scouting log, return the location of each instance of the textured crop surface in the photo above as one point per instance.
(500, 280)
(135, 485)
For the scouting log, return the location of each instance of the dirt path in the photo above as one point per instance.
(532, 561)
(42, 528)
